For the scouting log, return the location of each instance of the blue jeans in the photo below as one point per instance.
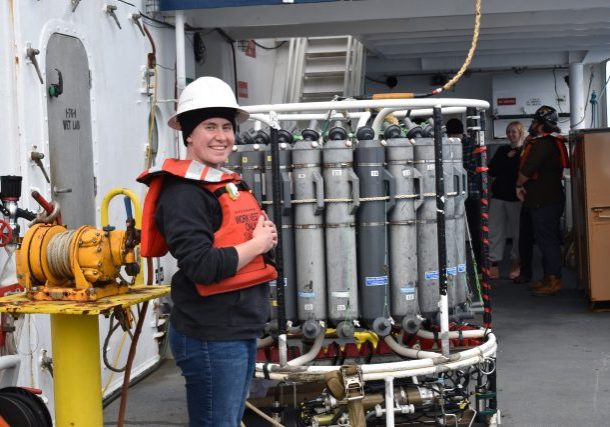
(218, 376)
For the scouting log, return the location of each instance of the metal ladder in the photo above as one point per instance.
(324, 67)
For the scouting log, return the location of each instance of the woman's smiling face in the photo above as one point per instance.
(211, 142)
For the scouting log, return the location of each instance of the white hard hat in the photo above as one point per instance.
(207, 92)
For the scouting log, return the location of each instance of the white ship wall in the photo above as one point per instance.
(119, 120)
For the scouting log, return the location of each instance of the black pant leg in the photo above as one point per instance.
(546, 223)
(526, 241)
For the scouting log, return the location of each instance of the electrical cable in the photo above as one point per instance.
(111, 329)
(133, 348)
(164, 24)
(605, 87)
(269, 48)
(556, 92)
(126, 2)
(130, 358)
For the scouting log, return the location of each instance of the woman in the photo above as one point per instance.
(504, 207)
(208, 220)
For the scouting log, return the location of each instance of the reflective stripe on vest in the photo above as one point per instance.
(240, 213)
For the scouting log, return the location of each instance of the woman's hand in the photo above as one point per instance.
(520, 192)
(264, 238)
(265, 234)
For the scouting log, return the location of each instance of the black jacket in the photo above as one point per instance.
(504, 167)
(187, 216)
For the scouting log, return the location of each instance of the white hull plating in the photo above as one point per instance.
(119, 113)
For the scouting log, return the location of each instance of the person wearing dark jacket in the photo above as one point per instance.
(209, 221)
(504, 207)
(540, 187)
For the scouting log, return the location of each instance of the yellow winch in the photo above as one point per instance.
(55, 263)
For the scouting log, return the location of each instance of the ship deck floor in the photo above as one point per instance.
(553, 365)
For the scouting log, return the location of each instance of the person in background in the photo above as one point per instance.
(540, 187)
(209, 221)
(455, 129)
(504, 206)
(526, 237)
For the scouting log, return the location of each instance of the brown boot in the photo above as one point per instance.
(538, 284)
(553, 286)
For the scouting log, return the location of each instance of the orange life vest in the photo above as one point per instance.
(559, 145)
(240, 213)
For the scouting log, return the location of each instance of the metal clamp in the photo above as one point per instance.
(31, 54)
(109, 9)
(352, 382)
(57, 190)
(135, 17)
(37, 157)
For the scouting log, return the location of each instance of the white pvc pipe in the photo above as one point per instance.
(577, 101)
(180, 52)
(282, 343)
(402, 368)
(474, 333)
(444, 311)
(400, 113)
(427, 371)
(389, 402)
(366, 115)
(409, 352)
(310, 116)
(427, 112)
(311, 354)
(362, 104)
(396, 373)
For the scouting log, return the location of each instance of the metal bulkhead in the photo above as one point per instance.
(373, 263)
(403, 230)
(287, 232)
(308, 206)
(342, 193)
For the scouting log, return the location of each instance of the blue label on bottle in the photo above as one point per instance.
(307, 294)
(461, 268)
(431, 275)
(452, 271)
(407, 290)
(376, 281)
(273, 283)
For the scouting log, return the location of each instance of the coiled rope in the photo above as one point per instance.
(58, 254)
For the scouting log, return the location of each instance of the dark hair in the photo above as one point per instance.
(454, 127)
(189, 120)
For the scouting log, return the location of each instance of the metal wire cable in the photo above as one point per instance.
(58, 254)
